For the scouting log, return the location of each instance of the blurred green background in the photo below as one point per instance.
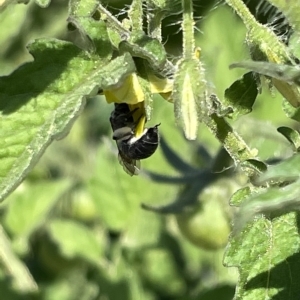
(75, 226)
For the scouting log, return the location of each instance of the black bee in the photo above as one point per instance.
(132, 148)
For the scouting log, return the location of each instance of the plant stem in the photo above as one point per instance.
(20, 275)
(231, 141)
(135, 15)
(154, 18)
(114, 23)
(188, 29)
(244, 13)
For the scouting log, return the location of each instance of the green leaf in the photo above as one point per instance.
(221, 292)
(117, 196)
(122, 281)
(90, 39)
(265, 201)
(30, 205)
(257, 165)
(291, 135)
(290, 111)
(267, 256)
(6, 3)
(233, 143)
(241, 95)
(285, 78)
(147, 48)
(73, 286)
(40, 101)
(240, 195)
(189, 96)
(285, 170)
(86, 245)
(8, 18)
(160, 272)
(79, 8)
(135, 235)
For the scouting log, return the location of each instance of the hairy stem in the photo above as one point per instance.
(135, 14)
(231, 141)
(188, 29)
(114, 22)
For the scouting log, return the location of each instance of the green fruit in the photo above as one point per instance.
(206, 226)
(82, 206)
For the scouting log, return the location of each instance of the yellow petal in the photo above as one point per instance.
(160, 85)
(139, 118)
(130, 92)
(139, 129)
(167, 96)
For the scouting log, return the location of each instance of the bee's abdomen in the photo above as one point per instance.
(143, 147)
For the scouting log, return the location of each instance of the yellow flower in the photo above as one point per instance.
(131, 92)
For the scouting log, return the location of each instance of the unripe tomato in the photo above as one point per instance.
(206, 224)
(82, 206)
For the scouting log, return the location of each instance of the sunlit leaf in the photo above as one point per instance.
(117, 196)
(285, 170)
(86, 245)
(277, 201)
(40, 101)
(147, 48)
(29, 207)
(189, 95)
(81, 8)
(267, 255)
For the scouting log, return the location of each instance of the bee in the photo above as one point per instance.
(131, 148)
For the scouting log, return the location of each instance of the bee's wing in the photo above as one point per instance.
(130, 166)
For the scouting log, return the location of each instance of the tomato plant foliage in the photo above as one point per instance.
(214, 213)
